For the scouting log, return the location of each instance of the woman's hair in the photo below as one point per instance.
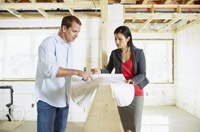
(126, 32)
(67, 21)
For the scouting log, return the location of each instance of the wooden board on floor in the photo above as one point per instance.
(103, 115)
(9, 126)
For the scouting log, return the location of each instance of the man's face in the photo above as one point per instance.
(71, 33)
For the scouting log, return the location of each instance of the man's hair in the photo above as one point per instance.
(67, 21)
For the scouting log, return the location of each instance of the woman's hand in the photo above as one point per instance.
(130, 81)
(96, 71)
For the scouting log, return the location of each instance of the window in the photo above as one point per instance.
(18, 53)
(159, 59)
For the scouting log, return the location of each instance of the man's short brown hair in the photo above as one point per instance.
(67, 21)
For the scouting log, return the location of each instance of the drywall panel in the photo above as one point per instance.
(188, 72)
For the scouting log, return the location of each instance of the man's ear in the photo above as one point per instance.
(63, 28)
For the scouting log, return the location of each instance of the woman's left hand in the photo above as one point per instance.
(130, 81)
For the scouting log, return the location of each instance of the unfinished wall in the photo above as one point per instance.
(188, 70)
(86, 48)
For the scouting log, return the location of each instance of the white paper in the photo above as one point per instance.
(82, 91)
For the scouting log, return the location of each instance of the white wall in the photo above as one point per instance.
(188, 70)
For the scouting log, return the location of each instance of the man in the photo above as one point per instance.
(53, 77)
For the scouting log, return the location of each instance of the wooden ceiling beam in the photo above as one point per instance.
(186, 16)
(152, 31)
(189, 2)
(133, 20)
(30, 6)
(167, 25)
(51, 16)
(161, 6)
(15, 13)
(32, 1)
(68, 1)
(71, 11)
(128, 1)
(143, 2)
(10, 1)
(167, 1)
(43, 12)
(197, 21)
(144, 25)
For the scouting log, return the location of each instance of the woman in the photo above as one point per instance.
(129, 61)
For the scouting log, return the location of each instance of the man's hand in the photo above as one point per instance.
(85, 76)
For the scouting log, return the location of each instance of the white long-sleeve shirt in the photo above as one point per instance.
(52, 54)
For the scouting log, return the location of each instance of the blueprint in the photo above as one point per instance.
(82, 91)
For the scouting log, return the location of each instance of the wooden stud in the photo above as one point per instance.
(179, 9)
(103, 46)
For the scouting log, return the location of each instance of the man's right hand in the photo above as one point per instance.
(85, 76)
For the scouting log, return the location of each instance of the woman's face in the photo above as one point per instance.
(121, 41)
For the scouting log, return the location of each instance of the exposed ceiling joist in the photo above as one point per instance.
(71, 11)
(167, 1)
(68, 1)
(197, 21)
(161, 6)
(189, 2)
(144, 25)
(15, 13)
(162, 12)
(133, 20)
(152, 31)
(144, 2)
(166, 15)
(44, 13)
(32, 1)
(187, 16)
(47, 5)
(167, 25)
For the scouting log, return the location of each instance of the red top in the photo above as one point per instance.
(127, 71)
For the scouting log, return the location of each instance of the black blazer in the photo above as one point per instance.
(139, 65)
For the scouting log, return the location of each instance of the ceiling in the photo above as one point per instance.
(158, 16)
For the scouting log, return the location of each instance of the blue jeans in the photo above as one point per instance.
(51, 119)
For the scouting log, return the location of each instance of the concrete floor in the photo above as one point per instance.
(155, 119)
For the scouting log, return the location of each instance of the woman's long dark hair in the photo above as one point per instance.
(126, 32)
